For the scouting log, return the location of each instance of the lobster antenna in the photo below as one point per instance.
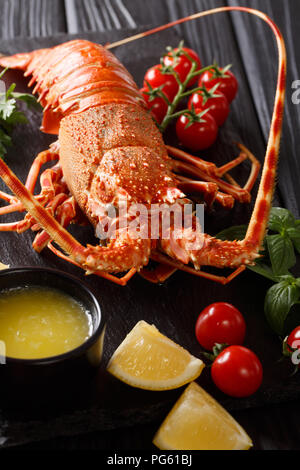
(260, 215)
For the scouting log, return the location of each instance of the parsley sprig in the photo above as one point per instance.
(10, 115)
(281, 244)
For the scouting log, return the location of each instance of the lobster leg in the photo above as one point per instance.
(42, 158)
(159, 257)
(119, 254)
(6, 197)
(209, 191)
(212, 171)
(13, 207)
(122, 281)
(47, 186)
(64, 211)
(208, 167)
(238, 193)
(230, 165)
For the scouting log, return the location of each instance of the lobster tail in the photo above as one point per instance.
(22, 60)
(92, 76)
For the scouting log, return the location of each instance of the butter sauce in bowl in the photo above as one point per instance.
(38, 322)
(51, 332)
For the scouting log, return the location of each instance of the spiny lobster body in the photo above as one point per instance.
(110, 151)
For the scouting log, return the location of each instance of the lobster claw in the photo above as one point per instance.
(121, 254)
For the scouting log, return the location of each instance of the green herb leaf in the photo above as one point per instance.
(281, 252)
(3, 72)
(278, 302)
(30, 100)
(277, 258)
(280, 219)
(17, 117)
(10, 115)
(264, 270)
(237, 232)
(294, 235)
(4, 138)
(5, 141)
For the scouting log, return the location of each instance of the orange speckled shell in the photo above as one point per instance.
(114, 141)
(73, 77)
(107, 136)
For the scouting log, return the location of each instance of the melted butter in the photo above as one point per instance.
(39, 322)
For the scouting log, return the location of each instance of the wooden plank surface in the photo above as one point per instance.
(31, 18)
(262, 74)
(38, 18)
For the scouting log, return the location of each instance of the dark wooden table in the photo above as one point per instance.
(273, 427)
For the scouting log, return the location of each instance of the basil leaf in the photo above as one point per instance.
(294, 234)
(237, 232)
(282, 254)
(278, 302)
(17, 117)
(264, 270)
(280, 219)
(30, 100)
(3, 150)
(5, 139)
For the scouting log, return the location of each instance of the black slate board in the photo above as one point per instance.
(173, 307)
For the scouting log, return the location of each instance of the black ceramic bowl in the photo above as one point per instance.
(68, 370)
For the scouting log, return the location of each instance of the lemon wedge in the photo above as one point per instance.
(147, 359)
(3, 266)
(198, 422)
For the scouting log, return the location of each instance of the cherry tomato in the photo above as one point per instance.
(183, 63)
(156, 78)
(293, 337)
(220, 323)
(293, 344)
(218, 105)
(228, 83)
(199, 135)
(237, 371)
(158, 106)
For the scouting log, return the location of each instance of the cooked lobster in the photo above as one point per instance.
(109, 151)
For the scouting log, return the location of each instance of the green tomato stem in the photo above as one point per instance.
(182, 93)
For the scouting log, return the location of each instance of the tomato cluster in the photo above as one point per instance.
(208, 106)
(235, 370)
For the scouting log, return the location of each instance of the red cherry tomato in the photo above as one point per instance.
(158, 106)
(237, 371)
(199, 135)
(293, 343)
(218, 106)
(156, 78)
(228, 84)
(183, 63)
(220, 323)
(293, 339)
